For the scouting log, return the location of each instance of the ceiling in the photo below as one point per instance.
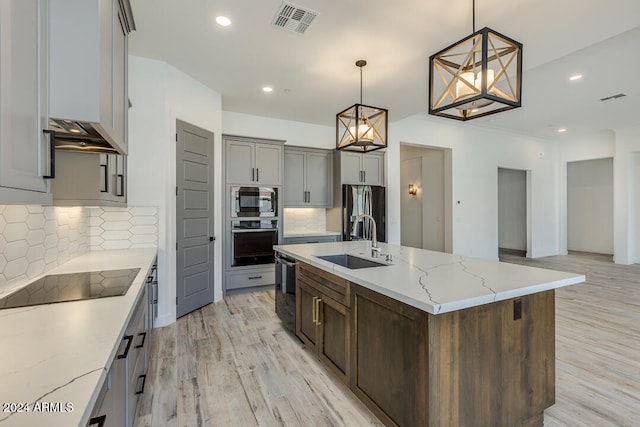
(314, 74)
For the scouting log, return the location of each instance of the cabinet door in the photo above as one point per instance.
(23, 104)
(372, 169)
(334, 335)
(306, 328)
(294, 178)
(120, 96)
(319, 179)
(350, 168)
(268, 164)
(239, 162)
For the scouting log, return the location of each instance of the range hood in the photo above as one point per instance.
(81, 136)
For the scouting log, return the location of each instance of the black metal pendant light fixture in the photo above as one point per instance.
(361, 127)
(477, 76)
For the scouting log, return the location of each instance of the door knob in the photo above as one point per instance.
(211, 238)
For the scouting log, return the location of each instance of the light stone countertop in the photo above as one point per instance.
(61, 352)
(434, 282)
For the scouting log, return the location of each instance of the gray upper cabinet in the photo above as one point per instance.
(24, 147)
(360, 168)
(308, 178)
(88, 65)
(252, 163)
(89, 179)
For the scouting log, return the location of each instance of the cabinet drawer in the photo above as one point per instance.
(311, 239)
(252, 278)
(330, 285)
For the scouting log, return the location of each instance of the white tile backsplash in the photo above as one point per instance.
(303, 220)
(34, 239)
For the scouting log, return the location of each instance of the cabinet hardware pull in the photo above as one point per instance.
(364, 176)
(120, 185)
(313, 310)
(129, 339)
(98, 421)
(52, 153)
(257, 174)
(318, 301)
(144, 381)
(105, 174)
(255, 277)
(144, 338)
(253, 174)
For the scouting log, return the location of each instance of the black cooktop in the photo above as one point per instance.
(72, 287)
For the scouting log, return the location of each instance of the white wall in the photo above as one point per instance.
(634, 212)
(512, 209)
(627, 142)
(477, 153)
(294, 133)
(590, 206)
(160, 94)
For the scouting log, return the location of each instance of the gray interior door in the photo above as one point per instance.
(194, 216)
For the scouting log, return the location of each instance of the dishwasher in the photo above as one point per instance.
(286, 291)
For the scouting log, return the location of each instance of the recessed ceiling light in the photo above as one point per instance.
(575, 77)
(562, 130)
(223, 21)
(267, 89)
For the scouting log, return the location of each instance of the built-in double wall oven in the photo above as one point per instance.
(252, 241)
(254, 225)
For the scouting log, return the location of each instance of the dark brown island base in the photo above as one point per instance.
(487, 365)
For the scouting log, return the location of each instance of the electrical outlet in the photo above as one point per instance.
(517, 309)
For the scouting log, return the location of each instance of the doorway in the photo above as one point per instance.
(590, 206)
(194, 218)
(424, 211)
(513, 235)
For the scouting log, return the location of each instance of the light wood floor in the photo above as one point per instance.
(232, 364)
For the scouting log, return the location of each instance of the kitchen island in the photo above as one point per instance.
(432, 339)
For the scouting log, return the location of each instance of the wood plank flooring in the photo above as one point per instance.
(232, 364)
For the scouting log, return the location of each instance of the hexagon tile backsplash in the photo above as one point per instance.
(34, 239)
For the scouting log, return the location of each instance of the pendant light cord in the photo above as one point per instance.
(360, 85)
(473, 15)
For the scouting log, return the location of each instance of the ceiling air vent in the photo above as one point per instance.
(612, 97)
(294, 18)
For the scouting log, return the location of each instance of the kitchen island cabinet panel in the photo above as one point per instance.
(389, 358)
(477, 366)
(323, 317)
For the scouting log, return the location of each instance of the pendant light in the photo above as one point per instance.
(361, 127)
(477, 76)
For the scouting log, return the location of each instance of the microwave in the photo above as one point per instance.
(254, 202)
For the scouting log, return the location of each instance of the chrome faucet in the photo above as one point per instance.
(375, 249)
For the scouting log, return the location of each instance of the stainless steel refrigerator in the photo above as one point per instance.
(359, 199)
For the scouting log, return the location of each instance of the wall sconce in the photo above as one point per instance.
(413, 190)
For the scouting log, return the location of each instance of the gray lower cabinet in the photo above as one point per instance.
(24, 147)
(89, 179)
(109, 410)
(360, 168)
(320, 238)
(118, 399)
(250, 277)
(252, 162)
(308, 178)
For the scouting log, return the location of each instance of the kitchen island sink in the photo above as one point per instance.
(350, 261)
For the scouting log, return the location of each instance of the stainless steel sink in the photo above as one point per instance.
(350, 261)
